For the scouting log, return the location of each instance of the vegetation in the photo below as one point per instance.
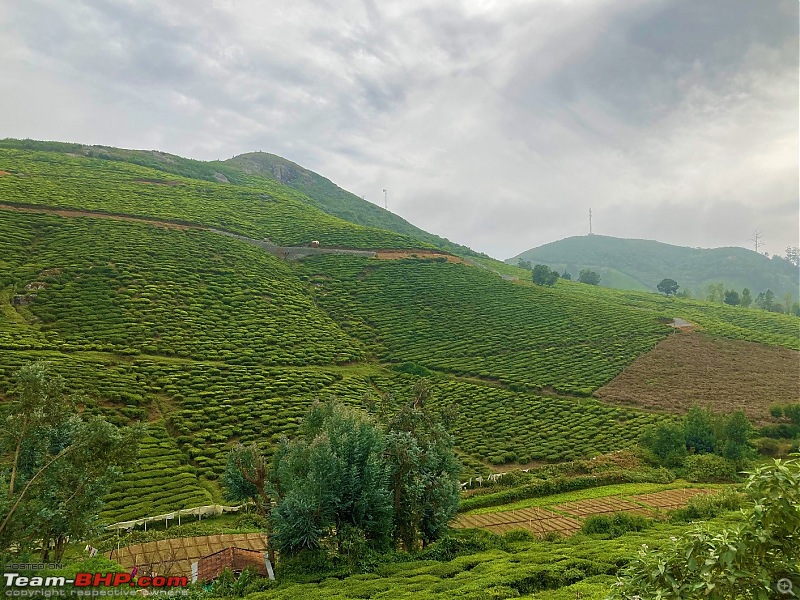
(60, 467)
(639, 264)
(742, 562)
(668, 287)
(543, 275)
(589, 277)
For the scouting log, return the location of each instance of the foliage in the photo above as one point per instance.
(668, 287)
(667, 443)
(716, 292)
(332, 484)
(247, 477)
(424, 470)
(543, 275)
(709, 467)
(61, 464)
(589, 276)
(732, 297)
(615, 524)
(742, 562)
(746, 298)
(707, 506)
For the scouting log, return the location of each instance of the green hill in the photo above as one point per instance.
(642, 264)
(113, 273)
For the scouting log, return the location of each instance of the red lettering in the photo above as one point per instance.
(143, 581)
(104, 579)
(83, 580)
(121, 578)
(159, 581)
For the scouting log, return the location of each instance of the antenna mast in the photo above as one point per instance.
(385, 201)
(590, 222)
(756, 239)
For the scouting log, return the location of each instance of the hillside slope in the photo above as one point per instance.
(642, 264)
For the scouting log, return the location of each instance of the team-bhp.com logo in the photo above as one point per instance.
(86, 584)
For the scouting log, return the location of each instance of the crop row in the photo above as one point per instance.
(271, 210)
(131, 288)
(464, 320)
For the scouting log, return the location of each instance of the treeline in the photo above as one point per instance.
(766, 300)
(544, 275)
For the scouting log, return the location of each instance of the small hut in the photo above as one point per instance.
(315, 243)
(237, 560)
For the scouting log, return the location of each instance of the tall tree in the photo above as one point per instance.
(793, 255)
(716, 292)
(60, 464)
(746, 299)
(543, 275)
(334, 484)
(668, 287)
(589, 276)
(423, 470)
(732, 298)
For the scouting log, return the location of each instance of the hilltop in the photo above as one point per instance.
(641, 264)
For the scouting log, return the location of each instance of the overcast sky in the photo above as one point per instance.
(497, 124)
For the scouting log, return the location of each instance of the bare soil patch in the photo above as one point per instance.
(719, 374)
(601, 506)
(538, 521)
(398, 254)
(671, 499)
(2, 173)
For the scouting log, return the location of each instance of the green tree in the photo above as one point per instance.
(716, 292)
(765, 300)
(668, 287)
(588, 276)
(793, 255)
(733, 438)
(543, 275)
(423, 470)
(743, 562)
(61, 465)
(524, 264)
(249, 476)
(567, 276)
(333, 484)
(732, 298)
(746, 299)
(666, 443)
(698, 431)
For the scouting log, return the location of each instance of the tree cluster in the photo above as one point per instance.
(701, 432)
(544, 275)
(59, 464)
(349, 484)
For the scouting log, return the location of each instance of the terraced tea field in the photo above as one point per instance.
(467, 321)
(131, 288)
(271, 210)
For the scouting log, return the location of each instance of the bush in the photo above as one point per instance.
(709, 468)
(615, 525)
(702, 508)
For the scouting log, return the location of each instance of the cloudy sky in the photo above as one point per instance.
(495, 123)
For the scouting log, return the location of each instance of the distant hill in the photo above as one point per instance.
(642, 264)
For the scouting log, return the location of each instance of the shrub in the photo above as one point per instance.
(702, 508)
(709, 468)
(615, 525)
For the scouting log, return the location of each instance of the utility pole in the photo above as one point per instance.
(756, 239)
(385, 200)
(590, 222)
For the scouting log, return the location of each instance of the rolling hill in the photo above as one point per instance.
(118, 273)
(641, 264)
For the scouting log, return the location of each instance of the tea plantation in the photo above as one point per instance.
(273, 211)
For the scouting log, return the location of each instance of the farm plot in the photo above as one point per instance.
(671, 499)
(536, 520)
(463, 320)
(131, 288)
(271, 210)
(723, 375)
(601, 506)
(175, 556)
